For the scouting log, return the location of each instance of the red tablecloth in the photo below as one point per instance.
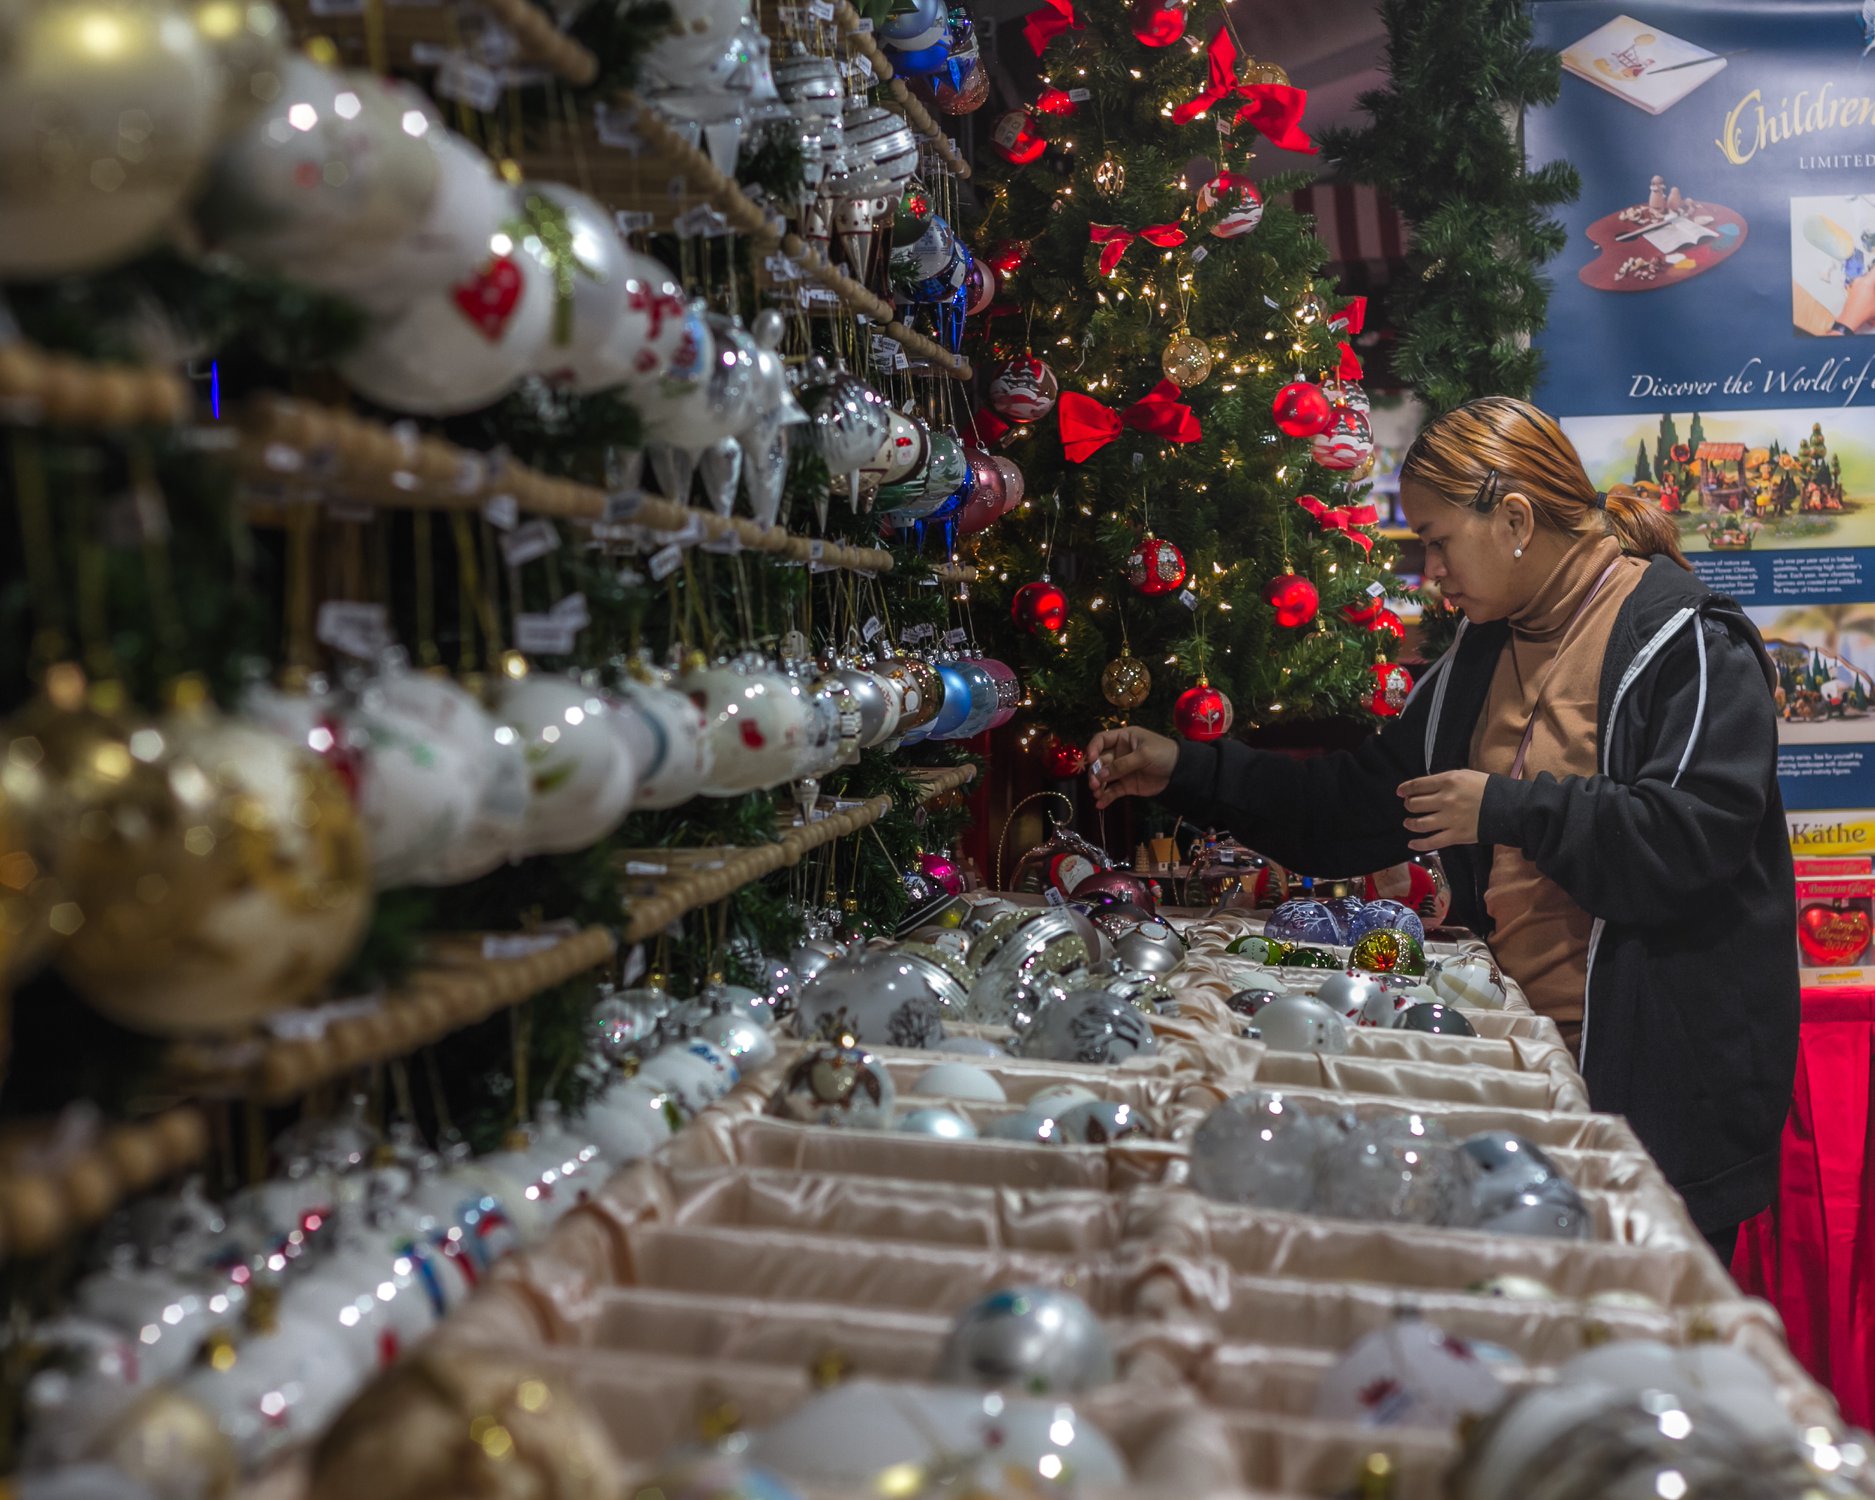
(1812, 1254)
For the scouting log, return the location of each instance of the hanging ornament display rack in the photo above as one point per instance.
(380, 35)
(856, 37)
(57, 390)
(370, 463)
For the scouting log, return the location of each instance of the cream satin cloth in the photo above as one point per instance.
(750, 1246)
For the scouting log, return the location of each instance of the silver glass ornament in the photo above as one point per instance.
(1348, 994)
(809, 959)
(1435, 1018)
(1261, 1148)
(1087, 1026)
(1469, 979)
(1153, 947)
(1398, 1171)
(1249, 1001)
(883, 995)
(1301, 1023)
(829, 1084)
(1034, 1339)
(1030, 1127)
(882, 153)
(937, 1120)
(1013, 947)
(740, 1035)
(1100, 1122)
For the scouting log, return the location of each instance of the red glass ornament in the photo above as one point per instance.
(938, 867)
(1055, 102)
(1832, 935)
(1156, 24)
(1293, 598)
(1363, 613)
(1119, 885)
(1155, 566)
(1017, 138)
(1301, 410)
(1392, 682)
(1008, 256)
(1063, 759)
(1386, 622)
(1202, 713)
(1039, 606)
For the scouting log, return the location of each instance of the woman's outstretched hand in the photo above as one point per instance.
(1443, 810)
(1129, 762)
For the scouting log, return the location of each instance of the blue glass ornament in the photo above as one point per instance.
(1302, 922)
(1384, 913)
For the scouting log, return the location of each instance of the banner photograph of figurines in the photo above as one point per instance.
(1825, 660)
(1832, 251)
(1736, 481)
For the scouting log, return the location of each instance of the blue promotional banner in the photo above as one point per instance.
(1710, 330)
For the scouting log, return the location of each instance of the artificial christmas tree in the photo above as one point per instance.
(1134, 241)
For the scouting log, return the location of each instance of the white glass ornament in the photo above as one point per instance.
(573, 760)
(279, 1389)
(1472, 980)
(592, 288)
(418, 791)
(757, 725)
(1037, 1340)
(939, 1121)
(1260, 1148)
(686, 753)
(882, 995)
(1408, 1374)
(1086, 1026)
(1301, 1023)
(955, 1080)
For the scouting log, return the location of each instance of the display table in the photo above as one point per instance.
(1812, 1254)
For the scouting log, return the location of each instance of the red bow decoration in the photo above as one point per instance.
(1087, 426)
(989, 427)
(1116, 239)
(1343, 518)
(1350, 367)
(1044, 25)
(1273, 108)
(1352, 318)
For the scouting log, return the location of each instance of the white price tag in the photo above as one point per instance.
(465, 80)
(955, 637)
(728, 544)
(701, 222)
(1200, 255)
(1187, 598)
(861, 27)
(1080, 96)
(1376, 591)
(665, 561)
(544, 635)
(820, 10)
(816, 549)
(356, 629)
(782, 268)
(634, 968)
(572, 610)
(503, 513)
(645, 867)
(522, 545)
(622, 505)
(872, 629)
(1055, 898)
(632, 220)
(617, 127)
(862, 64)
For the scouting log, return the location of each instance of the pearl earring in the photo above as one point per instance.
(1516, 552)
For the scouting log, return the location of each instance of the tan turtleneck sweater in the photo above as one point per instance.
(1549, 675)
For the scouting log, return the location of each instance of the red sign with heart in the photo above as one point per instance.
(1830, 935)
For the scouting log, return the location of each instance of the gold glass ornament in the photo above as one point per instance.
(1125, 682)
(108, 110)
(249, 40)
(1311, 311)
(1110, 176)
(1187, 360)
(173, 1445)
(476, 1429)
(1267, 72)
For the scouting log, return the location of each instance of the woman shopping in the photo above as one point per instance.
(1596, 761)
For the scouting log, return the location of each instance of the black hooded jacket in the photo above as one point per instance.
(1677, 849)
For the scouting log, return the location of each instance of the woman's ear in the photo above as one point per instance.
(1520, 516)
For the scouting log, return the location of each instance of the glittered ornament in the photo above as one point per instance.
(1155, 566)
(1344, 442)
(1017, 140)
(1109, 176)
(1126, 682)
(1293, 598)
(1388, 951)
(1039, 606)
(1392, 684)
(1202, 713)
(1024, 390)
(1187, 361)
(1063, 759)
(1301, 410)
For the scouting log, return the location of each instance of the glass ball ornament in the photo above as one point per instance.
(1187, 361)
(1153, 947)
(1155, 566)
(1087, 1026)
(1126, 682)
(1039, 606)
(1016, 139)
(1387, 950)
(1472, 980)
(1395, 1171)
(1119, 885)
(1301, 410)
(1063, 760)
(1035, 1339)
(1435, 1018)
(1110, 176)
(1409, 1374)
(942, 869)
(831, 1083)
(881, 995)
(1024, 390)
(1240, 200)
(1260, 1149)
(1350, 996)
(1345, 442)
(1302, 1023)
(1101, 1122)
(1302, 921)
(937, 1121)
(1384, 913)
(1386, 622)
(1202, 713)
(1157, 23)
(1293, 599)
(1393, 685)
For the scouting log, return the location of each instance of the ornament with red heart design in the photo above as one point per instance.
(456, 349)
(1832, 934)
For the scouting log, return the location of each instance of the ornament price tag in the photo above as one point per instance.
(503, 513)
(622, 505)
(515, 945)
(645, 867)
(522, 546)
(634, 966)
(664, 562)
(1201, 255)
(861, 27)
(1187, 598)
(544, 635)
(862, 64)
(955, 637)
(632, 220)
(701, 222)
(886, 352)
(354, 628)
(1376, 591)
(872, 629)
(820, 10)
(467, 81)
(572, 609)
(1055, 898)
(615, 128)
(782, 268)
(1080, 96)
(816, 550)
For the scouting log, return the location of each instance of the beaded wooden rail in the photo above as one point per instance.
(41, 1206)
(365, 461)
(58, 390)
(896, 95)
